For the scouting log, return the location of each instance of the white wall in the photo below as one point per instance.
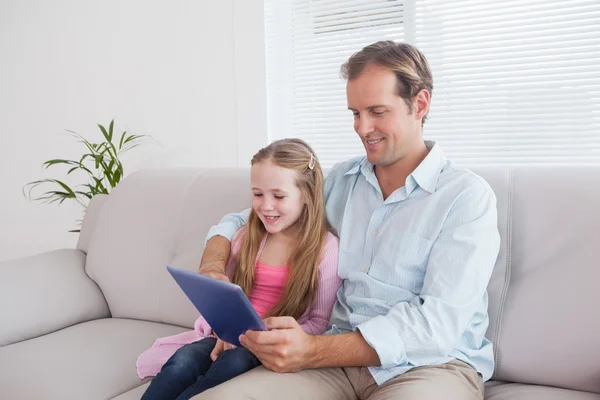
(189, 73)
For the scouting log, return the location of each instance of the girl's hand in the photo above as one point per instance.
(220, 347)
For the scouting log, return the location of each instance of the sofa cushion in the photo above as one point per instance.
(152, 219)
(133, 394)
(518, 391)
(92, 360)
(549, 329)
(134, 241)
(46, 292)
(493, 391)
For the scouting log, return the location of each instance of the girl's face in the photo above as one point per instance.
(276, 198)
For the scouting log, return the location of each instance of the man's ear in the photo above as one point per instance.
(421, 103)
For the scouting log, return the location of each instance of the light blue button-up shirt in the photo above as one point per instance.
(415, 266)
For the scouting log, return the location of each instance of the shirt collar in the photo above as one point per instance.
(428, 171)
(425, 175)
(354, 170)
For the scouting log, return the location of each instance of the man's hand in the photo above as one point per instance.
(220, 347)
(286, 348)
(214, 258)
(215, 274)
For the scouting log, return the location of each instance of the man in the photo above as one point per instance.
(418, 242)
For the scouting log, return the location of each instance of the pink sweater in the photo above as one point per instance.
(269, 286)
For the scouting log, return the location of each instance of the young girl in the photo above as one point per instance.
(284, 259)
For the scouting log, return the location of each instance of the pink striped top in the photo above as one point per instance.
(269, 286)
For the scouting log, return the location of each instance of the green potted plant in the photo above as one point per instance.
(100, 164)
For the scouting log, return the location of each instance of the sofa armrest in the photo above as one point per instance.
(46, 292)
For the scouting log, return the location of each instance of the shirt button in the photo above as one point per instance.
(364, 269)
(373, 233)
(358, 312)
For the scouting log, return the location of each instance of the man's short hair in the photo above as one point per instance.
(407, 62)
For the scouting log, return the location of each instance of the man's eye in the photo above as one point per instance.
(355, 114)
(378, 112)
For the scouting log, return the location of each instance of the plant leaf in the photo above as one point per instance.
(33, 185)
(93, 189)
(110, 130)
(100, 186)
(131, 146)
(104, 132)
(117, 176)
(133, 137)
(91, 146)
(86, 194)
(121, 141)
(108, 172)
(54, 196)
(83, 157)
(50, 163)
(65, 186)
(51, 193)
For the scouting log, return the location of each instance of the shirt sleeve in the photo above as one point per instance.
(228, 226)
(328, 184)
(316, 319)
(458, 271)
(236, 245)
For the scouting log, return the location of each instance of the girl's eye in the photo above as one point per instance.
(257, 194)
(279, 197)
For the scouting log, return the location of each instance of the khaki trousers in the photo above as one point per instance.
(452, 381)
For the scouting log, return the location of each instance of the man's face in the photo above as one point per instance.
(381, 117)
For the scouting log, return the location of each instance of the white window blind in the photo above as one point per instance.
(515, 82)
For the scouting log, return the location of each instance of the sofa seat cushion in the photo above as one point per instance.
(518, 391)
(493, 391)
(92, 360)
(133, 394)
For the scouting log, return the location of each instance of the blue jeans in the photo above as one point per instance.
(191, 371)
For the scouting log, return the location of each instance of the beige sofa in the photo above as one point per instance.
(73, 321)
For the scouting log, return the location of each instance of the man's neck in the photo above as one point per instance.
(392, 177)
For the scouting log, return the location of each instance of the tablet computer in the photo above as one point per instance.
(223, 305)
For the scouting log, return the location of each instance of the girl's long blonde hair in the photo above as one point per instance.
(302, 282)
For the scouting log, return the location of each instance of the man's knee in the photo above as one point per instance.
(262, 384)
(451, 381)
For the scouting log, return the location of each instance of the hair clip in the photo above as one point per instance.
(311, 163)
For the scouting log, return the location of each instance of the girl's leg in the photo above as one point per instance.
(181, 370)
(230, 364)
